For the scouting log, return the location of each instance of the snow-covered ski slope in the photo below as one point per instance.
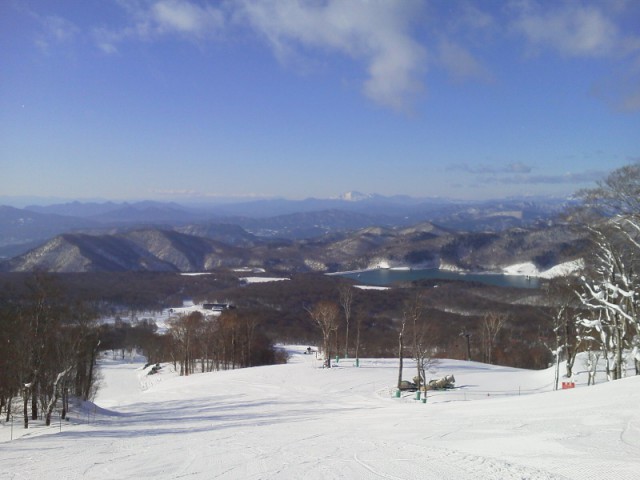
(299, 421)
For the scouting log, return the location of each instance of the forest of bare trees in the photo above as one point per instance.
(199, 343)
(49, 350)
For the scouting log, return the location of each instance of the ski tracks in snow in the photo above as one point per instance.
(397, 461)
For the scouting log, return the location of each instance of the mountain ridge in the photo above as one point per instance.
(22, 229)
(421, 245)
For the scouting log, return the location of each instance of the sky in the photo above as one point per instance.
(182, 100)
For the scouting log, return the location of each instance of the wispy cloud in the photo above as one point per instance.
(55, 30)
(482, 169)
(621, 90)
(184, 17)
(566, 178)
(378, 34)
(570, 28)
(589, 30)
(190, 193)
(518, 173)
(460, 63)
(149, 20)
(395, 42)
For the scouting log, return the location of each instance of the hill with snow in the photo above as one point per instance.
(300, 421)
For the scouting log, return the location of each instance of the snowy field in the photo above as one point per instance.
(299, 421)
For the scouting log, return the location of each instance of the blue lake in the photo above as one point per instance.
(384, 277)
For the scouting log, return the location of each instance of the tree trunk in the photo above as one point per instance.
(25, 403)
(619, 347)
(65, 401)
(34, 403)
(357, 341)
(327, 349)
(400, 359)
(571, 354)
(55, 392)
(89, 382)
(346, 341)
(8, 405)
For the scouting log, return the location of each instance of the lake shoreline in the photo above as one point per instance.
(388, 276)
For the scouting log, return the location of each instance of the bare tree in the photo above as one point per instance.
(591, 364)
(42, 315)
(558, 322)
(46, 346)
(564, 332)
(616, 195)
(346, 299)
(403, 324)
(492, 324)
(185, 331)
(467, 335)
(324, 314)
(413, 312)
(358, 328)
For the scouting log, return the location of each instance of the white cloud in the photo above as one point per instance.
(482, 169)
(185, 17)
(379, 36)
(149, 20)
(603, 30)
(570, 178)
(460, 63)
(376, 32)
(572, 29)
(55, 31)
(621, 90)
(59, 28)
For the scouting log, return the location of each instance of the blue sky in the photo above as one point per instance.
(186, 99)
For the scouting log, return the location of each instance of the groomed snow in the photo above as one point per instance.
(262, 279)
(249, 270)
(560, 270)
(299, 421)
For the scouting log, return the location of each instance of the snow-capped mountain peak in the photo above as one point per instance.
(354, 196)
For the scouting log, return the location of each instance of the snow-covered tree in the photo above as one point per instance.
(610, 292)
(610, 289)
(567, 337)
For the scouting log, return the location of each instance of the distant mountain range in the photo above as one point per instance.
(203, 236)
(424, 245)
